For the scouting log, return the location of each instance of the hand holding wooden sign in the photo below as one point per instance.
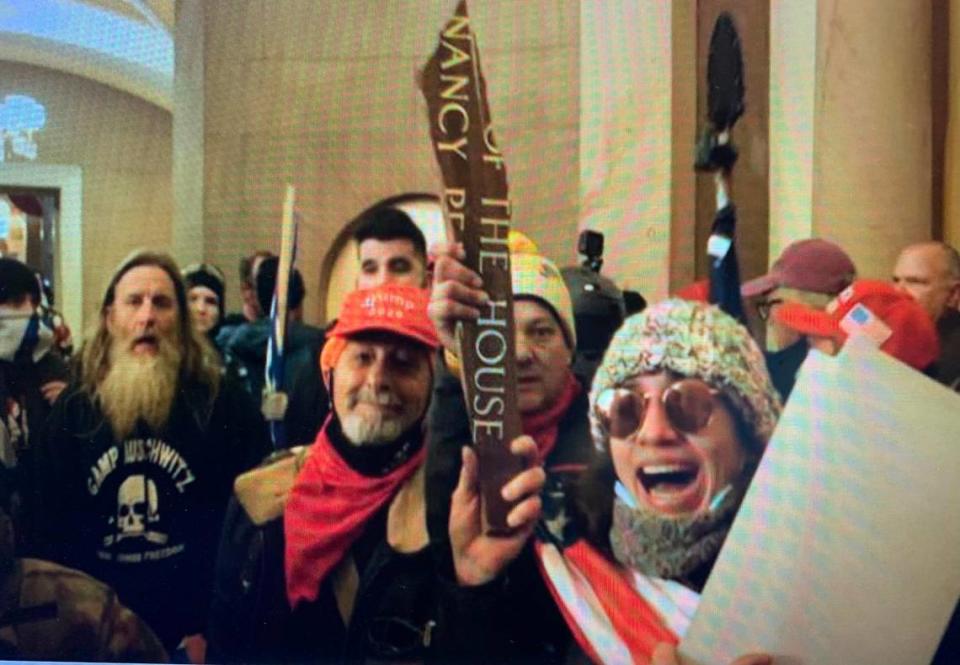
(477, 208)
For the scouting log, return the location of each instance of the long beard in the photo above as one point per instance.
(139, 387)
(668, 547)
(374, 428)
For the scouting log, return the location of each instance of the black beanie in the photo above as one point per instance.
(203, 275)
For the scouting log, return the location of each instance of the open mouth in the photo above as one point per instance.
(148, 343)
(673, 488)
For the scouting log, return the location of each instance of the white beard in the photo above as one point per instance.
(374, 428)
(139, 387)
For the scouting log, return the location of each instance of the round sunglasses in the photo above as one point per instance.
(687, 403)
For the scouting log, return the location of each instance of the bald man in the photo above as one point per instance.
(930, 272)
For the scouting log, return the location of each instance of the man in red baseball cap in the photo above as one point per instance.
(893, 321)
(811, 271)
(813, 265)
(313, 537)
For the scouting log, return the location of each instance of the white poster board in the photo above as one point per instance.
(846, 549)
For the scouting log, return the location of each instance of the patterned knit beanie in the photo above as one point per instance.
(694, 340)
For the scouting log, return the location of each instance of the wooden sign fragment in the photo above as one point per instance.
(476, 206)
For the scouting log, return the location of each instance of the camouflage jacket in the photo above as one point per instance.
(50, 612)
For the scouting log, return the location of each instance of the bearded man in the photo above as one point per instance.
(324, 555)
(140, 453)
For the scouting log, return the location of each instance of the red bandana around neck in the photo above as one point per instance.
(328, 507)
(543, 425)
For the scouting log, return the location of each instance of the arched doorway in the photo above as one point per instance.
(340, 269)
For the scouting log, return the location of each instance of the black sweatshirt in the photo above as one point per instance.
(144, 514)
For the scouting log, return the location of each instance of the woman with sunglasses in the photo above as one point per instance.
(681, 410)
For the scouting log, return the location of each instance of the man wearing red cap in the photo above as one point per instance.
(892, 321)
(324, 548)
(811, 271)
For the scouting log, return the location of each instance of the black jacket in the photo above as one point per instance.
(514, 618)
(91, 624)
(23, 408)
(308, 403)
(948, 364)
(391, 598)
(23, 414)
(784, 364)
(143, 514)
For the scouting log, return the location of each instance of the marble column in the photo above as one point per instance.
(872, 174)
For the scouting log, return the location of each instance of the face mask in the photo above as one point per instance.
(23, 337)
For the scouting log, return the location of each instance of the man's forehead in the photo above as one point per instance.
(144, 279)
(927, 258)
(204, 292)
(375, 248)
(382, 338)
(786, 293)
(527, 311)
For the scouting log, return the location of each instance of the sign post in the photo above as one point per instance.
(476, 206)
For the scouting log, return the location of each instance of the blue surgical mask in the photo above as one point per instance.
(624, 494)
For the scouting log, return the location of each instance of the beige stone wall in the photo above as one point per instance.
(321, 93)
(124, 146)
(683, 109)
(625, 146)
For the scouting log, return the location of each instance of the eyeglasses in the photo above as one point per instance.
(764, 307)
(688, 404)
